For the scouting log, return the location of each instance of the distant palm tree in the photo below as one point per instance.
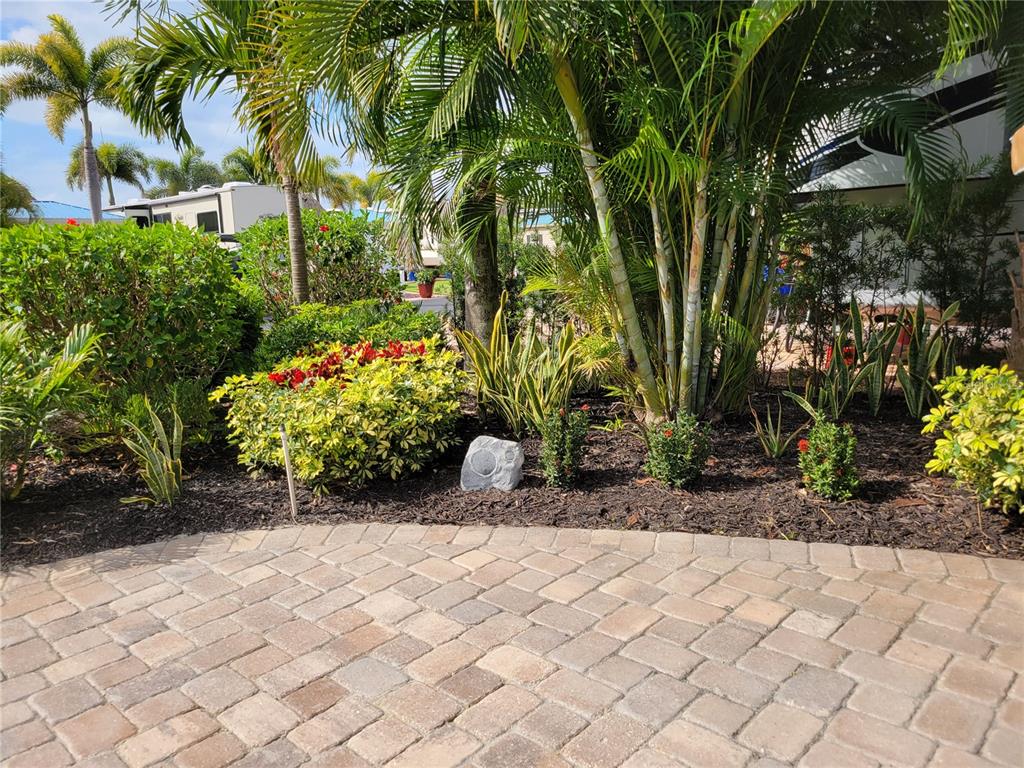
(244, 164)
(122, 162)
(374, 189)
(14, 197)
(340, 189)
(190, 172)
(58, 70)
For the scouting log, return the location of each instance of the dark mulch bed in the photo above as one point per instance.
(73, 507)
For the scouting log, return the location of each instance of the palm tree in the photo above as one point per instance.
(236, 45)
(123, 162)
(14, 197)
(244, 164)
(56, 68)
(673, 132)
(190, 172)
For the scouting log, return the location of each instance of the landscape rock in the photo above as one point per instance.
(492, 463)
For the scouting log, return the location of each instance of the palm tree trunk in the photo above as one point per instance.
(725, 263)
(110, 190)
(92, 171)
(296, 240)
(565, 80)
(483, 281)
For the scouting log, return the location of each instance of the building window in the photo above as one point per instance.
(535, 238)
(208, 221)
(161, 218)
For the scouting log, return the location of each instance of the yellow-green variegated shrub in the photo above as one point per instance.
(982, 445)
(365, 420)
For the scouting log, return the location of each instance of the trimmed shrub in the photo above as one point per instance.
(828, 462)
(313, 326)
(562, 445)
(164, 297)
(353, 415)
(678, 450)
(346, 258)
(982, 445)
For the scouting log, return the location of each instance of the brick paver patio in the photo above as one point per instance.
(441, 646)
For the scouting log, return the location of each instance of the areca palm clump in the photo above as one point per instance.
(116, 162)
(191, 171)
(665, 138)
(58, 69)
(243, 164)
(233, 45)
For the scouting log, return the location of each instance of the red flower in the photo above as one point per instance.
(561, 411)
(668, 433)
(584, 408)
(324, 228)
(803, 445)
(72, 222)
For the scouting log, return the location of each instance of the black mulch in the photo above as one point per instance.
(73, 508)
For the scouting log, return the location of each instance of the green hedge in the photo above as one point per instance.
(164, 297)
(344, 251)
(316, 325)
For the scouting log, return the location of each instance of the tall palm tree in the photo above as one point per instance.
(116, 162)
(58, 69)
(190, 172)
(234, 44)
(14, 198)
(244, 164)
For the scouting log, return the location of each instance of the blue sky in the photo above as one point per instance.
(34, 157)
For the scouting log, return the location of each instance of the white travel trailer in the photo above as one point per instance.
(225, 210)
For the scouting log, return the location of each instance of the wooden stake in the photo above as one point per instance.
(288, 473)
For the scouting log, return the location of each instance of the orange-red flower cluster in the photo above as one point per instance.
(334, 365)
(803, 445)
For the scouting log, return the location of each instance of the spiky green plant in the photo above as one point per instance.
(159, 459)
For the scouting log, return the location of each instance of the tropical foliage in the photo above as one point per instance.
(563, 435)
(352, 415)
(39, 387)
(677, 451)
(189, 172)
(57, 68)
(981, 421)
(159, 458)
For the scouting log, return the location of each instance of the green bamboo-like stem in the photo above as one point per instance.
(668, 309)
(725, 263)
(739, 311)
(565, 81)
(690, 368)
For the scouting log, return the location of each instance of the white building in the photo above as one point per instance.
(225, 210)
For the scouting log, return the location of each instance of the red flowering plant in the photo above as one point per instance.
(828, 461)
(342, 359)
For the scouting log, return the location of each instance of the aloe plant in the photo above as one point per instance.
(159, 458)
(773, 440)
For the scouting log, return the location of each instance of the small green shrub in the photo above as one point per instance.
(678, 450)
(345, 253)
(828, 462)
(312, 326)
(562, 445)
(353, 415)
(981, 416)
(164, 297)
(38, 388)
(159, 458)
